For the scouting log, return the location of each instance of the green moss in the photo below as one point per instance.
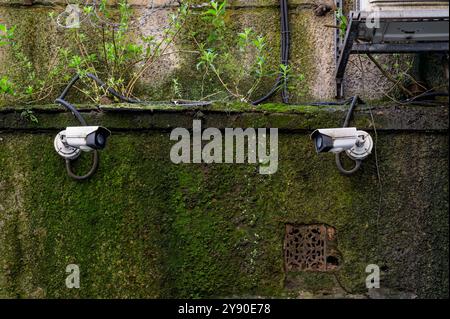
(303, 56)
(36, 37)
(144, 227)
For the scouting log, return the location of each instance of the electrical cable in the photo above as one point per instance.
(113, 92)
(285, 62)
(354, 101)
(331, 103)
(100, 83)
(423, 96)
(72, 109)
(95, 160)
(94, 167)
(80, 118)
(345, 171)
(281, 79)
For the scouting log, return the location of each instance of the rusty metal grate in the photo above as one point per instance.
(311, 248)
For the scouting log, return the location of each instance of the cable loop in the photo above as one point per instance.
(95, 161)
(343, 170)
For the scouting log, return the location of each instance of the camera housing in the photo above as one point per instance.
(74, 139)
(357, 144)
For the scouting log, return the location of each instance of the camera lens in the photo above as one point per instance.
(100, 139)
(319, 142)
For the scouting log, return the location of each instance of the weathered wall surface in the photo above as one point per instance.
(145, 227)
(312, 47)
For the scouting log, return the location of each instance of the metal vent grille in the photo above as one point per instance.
(311, 248)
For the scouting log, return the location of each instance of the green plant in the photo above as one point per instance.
(342, 23)
(215, 16)
(6, 34)
(6, 87)
(29, 115)
(155, 49)
(230, 57)
(104, 58)
(104, 45)
(399, 72)
(26, 82)
(177, 89)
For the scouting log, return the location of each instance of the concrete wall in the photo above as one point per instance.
(145, 227)
(312, 47)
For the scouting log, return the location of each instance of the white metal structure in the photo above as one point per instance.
(401, 5)
(392, 26)
(404, 20)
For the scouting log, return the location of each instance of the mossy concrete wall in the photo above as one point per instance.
(145, 227)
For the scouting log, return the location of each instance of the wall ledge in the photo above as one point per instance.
(284, 117)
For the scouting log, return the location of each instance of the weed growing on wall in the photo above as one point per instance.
(101, 42)
(222, 53)
(108, 49)
(342, 23)
(23, 82)
(101, 39)
(6, 35)
(237, 60)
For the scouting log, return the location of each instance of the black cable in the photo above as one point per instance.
(72, 109)
(280, 80)
(285, 93)
(99, 82)
(61, 99)
(112, 91)
(343, 170)
(344, 102)
(285, 49)
(94, 167)
(83, 122)
(354, 101)
(423, 96)
(69, 86)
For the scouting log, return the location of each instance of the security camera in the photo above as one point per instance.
(70, 142)
(357, 144)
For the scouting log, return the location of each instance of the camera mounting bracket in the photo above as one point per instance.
(64, 150)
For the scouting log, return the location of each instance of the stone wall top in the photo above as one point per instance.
(287, 118)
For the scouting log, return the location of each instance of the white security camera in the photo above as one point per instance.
(357, 144)
(70, 142)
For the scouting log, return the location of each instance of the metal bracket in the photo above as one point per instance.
(345, 49)
(337, 45)
(350, 44)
